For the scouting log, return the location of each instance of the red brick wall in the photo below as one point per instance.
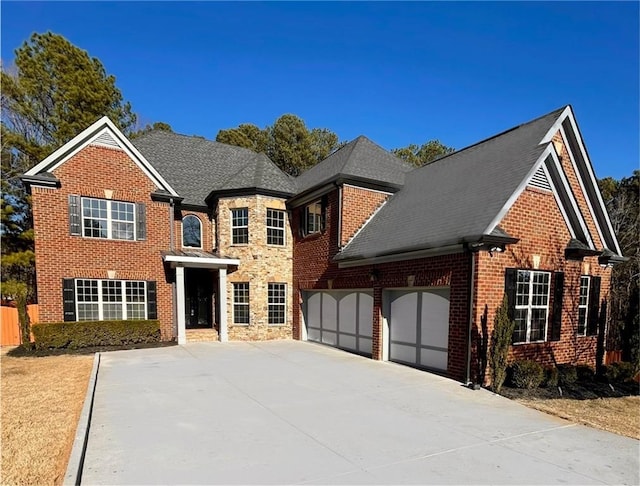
(59, 255)
(358, 205)
(313, 268)
(207, 228)
(536, 219)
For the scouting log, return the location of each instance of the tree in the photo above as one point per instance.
(54, 91)
(423, 154)
(162, 126)
(623, 205)
(503, 327)
(288, 143)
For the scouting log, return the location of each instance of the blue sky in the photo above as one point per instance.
(398, 73)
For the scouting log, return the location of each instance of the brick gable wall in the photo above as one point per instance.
(358, 205)
(59, 255)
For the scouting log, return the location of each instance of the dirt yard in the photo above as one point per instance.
(41, 399)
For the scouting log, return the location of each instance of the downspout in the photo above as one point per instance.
(339, 218)
(471, 298)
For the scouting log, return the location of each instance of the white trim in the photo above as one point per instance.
(223, 327)
(202, 261)
(231, 210)
(556, 196)
(234, 303)
(278, 304)
(181, 306)
(284, 226)
(558, 123)
(585, 306)
(87, 137)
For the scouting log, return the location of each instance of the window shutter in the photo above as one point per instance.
(556, 318)
(69, 299)
(141, 221)
(74, 215)
(510, 282)
(152, 304)
(594, 306)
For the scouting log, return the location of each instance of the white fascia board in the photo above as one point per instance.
(86, 137)
(516, 194)
(202, 261)
(556, 126)
(556, 196)
(593, 181)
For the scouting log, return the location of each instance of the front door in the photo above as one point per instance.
(199, 298)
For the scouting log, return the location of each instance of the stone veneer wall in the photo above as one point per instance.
(260, 264)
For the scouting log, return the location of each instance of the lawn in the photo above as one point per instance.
(41, 399)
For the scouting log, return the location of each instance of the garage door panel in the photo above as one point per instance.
(435, 314)
(365, 315)
(348, 308)
(349, 342)
(404, 312)
(313, 334)
(329, 312)
(312, 318)
(403, 352)
(329, 337)
(431, 358)
(365, 345)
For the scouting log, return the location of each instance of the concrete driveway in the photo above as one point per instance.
(289, 412)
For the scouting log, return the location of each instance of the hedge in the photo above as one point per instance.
(82, 334)
(527, 374)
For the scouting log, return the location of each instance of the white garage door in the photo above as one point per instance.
(340, 318)
(419, 327)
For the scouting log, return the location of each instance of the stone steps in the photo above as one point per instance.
(201, 335)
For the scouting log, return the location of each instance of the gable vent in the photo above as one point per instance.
(106, 140)
(539, 180)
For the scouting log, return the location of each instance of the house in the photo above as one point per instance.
(362, 251)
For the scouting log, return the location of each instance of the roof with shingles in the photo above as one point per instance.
(360, 159)
(454, 198)
(195, 167)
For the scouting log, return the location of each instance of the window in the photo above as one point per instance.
(103, 218)
(313, 218)
(277, 303)
(583, 305)
(99, 300)
(241, 303)
(191, 232)
(275, 227)
(532, 306)
(240, 226)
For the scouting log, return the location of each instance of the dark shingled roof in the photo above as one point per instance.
(359, 159)
(454, 198)
(195, 167)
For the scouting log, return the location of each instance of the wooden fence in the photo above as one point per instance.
(9, 325)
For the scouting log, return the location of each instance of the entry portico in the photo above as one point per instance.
(198, 259)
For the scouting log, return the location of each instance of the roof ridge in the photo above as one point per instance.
(195, 138)
(521, 125)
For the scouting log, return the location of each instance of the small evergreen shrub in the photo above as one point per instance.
(610, 372)
(567, 374)
(526, 374)
(501, 335)
(551, 377)
(624, 371)
(585, 373)
(83, 334)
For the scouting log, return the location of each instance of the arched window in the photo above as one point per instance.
(191, 232)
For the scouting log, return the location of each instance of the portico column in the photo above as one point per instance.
(222, 301)
(182, 335)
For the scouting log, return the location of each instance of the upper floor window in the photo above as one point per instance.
(103, 218)
(531, 306)
(191, 231)
(275, 227)
(240, 226)
(313, 218)
(583, 305)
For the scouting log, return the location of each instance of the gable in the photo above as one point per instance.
(102, 133)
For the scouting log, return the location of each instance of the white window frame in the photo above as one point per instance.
(274, 305)
(276, 229)
(529, 307)
(585, 305)
(234, 226)
(101, 298)
(246, 304)
(188, 216)
(109, 219)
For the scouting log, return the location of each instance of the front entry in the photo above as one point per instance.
(198, 298)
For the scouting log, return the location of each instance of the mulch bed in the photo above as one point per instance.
(22, 352)
(582, 390)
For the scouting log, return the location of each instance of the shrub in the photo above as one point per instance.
(500, 342)
(610, 372)
(585, 373)
(624, 371)
(550, 377)
(82, 334)
(567, 374)
(527, 374)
